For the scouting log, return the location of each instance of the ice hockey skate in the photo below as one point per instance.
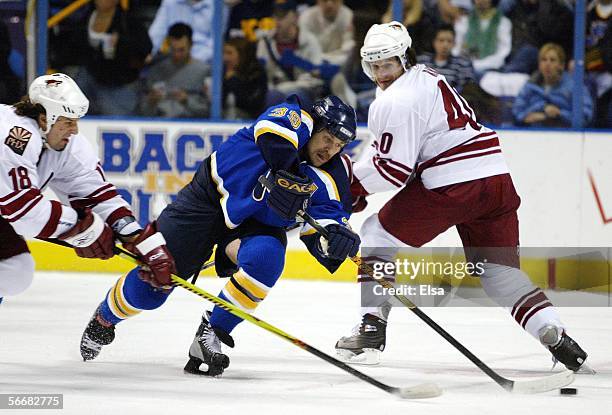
(98, 333)
(564, 349)
(365, 343)
(206, 349)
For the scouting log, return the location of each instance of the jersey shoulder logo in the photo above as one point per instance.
(278, 112)
(17, 139)
(295, 119)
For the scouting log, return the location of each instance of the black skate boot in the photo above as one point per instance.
(98, 333)
(564, 349)
(206, 348)
(366, 342)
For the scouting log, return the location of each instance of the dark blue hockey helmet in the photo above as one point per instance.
(336, 117)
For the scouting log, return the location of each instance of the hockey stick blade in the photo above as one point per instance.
(419, 391)
(422, 391)
(544, 384)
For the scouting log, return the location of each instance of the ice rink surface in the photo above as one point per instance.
(142, 371)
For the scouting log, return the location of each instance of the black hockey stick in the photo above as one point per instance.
(420, 391)
(411, 392)
(547, 383)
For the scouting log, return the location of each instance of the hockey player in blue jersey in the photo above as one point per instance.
(224, 205)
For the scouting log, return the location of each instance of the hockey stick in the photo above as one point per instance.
(544, 384)
(420, 391)
(412, 392)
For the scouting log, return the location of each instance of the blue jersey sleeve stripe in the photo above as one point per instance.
(307, 119)
(329, 182)
(265, 126)
(222, 191)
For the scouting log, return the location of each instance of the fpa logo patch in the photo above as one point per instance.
(17, 139)
(295, 119)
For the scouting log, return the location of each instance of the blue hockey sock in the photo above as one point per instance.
(261, 260)
(129, 296)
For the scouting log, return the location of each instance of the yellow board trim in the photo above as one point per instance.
(301, 265)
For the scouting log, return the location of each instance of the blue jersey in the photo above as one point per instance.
(238, 163)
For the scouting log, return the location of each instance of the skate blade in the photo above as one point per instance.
(219, 364)
(369, 357)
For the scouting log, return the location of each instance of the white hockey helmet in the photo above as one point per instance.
(60, 96)
(385, 41)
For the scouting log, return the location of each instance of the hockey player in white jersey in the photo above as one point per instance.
(41, 147)
(451, 172)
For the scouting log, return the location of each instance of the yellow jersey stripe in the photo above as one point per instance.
(265, 126)
(307, 119)
(330, 184)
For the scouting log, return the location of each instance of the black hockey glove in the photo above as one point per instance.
(342, 242)
(289, 194)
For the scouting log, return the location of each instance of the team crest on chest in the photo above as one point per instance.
(17, 139)
(295, 119)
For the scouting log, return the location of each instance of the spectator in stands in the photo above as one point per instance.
(244, 81)
(331, 22)
(250, 19)
(291, 57)
(485, 36)
(598, 58)
(114, 46)
(10, 84)
(546, 100)
(175, 86)
(458, 70)
(535, 23)
(460, 74)
(359, 83)
(418, 21)
(451, 10)
(198, 14)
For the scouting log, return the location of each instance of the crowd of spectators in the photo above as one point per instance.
(511, 59)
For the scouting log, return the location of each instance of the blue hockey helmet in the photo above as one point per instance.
(335, 116)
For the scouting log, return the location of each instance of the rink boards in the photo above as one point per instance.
(564, 180)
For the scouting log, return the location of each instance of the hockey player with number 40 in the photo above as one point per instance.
(449, 171)
(225, 205)
(42, 147)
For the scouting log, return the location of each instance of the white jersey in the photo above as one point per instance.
(421, 123)
(27, 166)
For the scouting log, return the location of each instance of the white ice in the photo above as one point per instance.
(142, 371)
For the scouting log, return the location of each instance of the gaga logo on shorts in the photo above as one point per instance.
(17, 139)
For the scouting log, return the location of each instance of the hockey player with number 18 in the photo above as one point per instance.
(225, 205)
(42, 147)
(450, 171)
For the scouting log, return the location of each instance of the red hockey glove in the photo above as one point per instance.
(91, 237)
(359, 204)
(358, 193)
(158, 264)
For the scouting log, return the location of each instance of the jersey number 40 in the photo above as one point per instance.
(459, 113)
